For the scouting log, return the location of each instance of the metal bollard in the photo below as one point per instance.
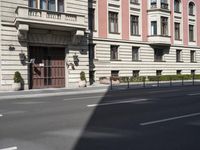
(158, 82)
(144, 82)
(128, 83)
(182, 81)
(170, 81)
(111, 87)
(193, 77)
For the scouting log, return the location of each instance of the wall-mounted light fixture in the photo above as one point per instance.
(24, 60)
(76, 59)
(11, 47)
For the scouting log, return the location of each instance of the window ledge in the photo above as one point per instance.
(178, 40)
(114, 33)
(178, 12)
(180, 61)
(167, 36)
(138, 35)
(115, 60)
(193, 62)
(135, 3)
(159, 61)
(136, 60)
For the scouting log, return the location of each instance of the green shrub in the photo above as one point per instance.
(132, 79)
(17, 77)
(137, 79)
(172, 77)
(82, 76)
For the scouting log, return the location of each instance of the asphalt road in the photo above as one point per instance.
(139, 119)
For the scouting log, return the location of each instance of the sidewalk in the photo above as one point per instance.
(91, 89)
(51, 92)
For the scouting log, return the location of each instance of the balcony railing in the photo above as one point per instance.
(32, 15)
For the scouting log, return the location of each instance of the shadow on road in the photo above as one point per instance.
(117, 127)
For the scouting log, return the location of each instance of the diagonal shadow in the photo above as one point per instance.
(116, 127)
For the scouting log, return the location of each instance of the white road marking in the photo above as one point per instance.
(194, 94)
(10, 148)
(117, 102)
(166, 91)
(169, 119)
(79, 98)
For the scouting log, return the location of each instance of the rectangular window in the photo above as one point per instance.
(177, 31)
(153, 27)
(153, 3)
(176, 5)
(115, 73)
(114, 52)
(135, 53)
(43, 4)
(32, 3)
(178, 72)
(192, 56)
(52, 5)
(134, 25)
(164, 4)
(178, 55)
(193, 72)
(158, 72)
(113, 22)
(158, 55)
(61, 5)
(191, 33)
(136, 73)
(164, 26)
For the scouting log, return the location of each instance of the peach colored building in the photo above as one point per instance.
(144, 37)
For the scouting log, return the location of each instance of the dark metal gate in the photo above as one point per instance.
(49, 68)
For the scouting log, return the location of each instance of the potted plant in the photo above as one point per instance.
(18, 81)
(82, 82)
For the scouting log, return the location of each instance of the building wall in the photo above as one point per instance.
(103, 39)
(9, 36)
(0, 46)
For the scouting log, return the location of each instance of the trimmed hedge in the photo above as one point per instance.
(131, 79)
(152, 78)
(172, 77)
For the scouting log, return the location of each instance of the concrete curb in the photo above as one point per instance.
(52, 94)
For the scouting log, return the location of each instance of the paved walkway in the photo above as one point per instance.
(50, 92)
(91, 89)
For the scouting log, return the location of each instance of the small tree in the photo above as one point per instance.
(82, 76)
(17, 77)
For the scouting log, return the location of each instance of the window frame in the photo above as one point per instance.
(164, 26)
(114, 52)
(134, 23)
(113, 17)
(177, 31)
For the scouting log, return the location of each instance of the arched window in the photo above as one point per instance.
(177, 5)
(191, 8)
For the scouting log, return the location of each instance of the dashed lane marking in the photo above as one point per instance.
(169, 119)
(10, 148)
(79, 98)
(118, 102)
(194, 94)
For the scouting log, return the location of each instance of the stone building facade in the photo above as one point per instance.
(45, 40)
(145, 37)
